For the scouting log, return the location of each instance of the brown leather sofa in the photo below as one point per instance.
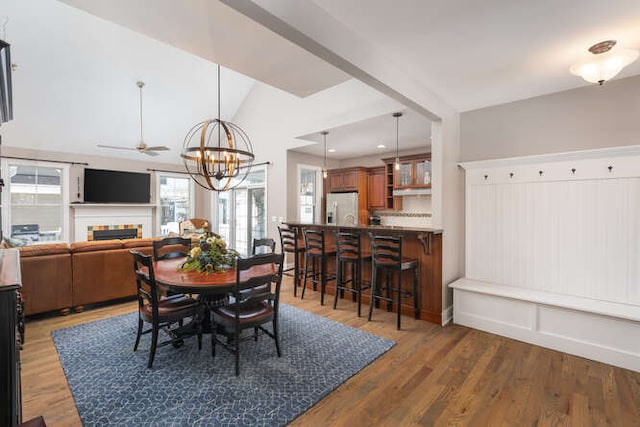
(46, 278)
(60, 276)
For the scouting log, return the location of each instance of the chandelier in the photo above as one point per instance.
(217, 154)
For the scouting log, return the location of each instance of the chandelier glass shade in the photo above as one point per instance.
(217, 154)
(603, 63)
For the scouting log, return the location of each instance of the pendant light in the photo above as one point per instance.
(397, 162)
(324, 170)
(217, 154)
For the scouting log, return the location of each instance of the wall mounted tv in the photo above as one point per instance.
(107, 186)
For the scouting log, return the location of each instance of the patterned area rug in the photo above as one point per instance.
(112, 386)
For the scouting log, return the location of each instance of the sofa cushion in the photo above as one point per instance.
(137, 243)
(96, 245)
(46, 249)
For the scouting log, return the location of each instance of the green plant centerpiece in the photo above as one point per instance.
(209, 255)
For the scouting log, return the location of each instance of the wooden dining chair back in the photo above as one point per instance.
(160, 312)
(291, 242)
(255, 302)
(264, 246)
(171, 247)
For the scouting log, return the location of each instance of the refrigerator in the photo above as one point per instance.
(342, 208)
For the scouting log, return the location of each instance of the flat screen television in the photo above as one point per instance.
(108, 186)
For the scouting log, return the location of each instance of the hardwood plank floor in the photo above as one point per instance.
(435, 375)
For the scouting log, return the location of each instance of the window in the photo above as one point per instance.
(175, 201)
(242, 212)
(309, 194)
(36, 201)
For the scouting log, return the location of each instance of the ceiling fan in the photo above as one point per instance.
(141, 147)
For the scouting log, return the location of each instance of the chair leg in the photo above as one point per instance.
(398, 296)
(296, 278)
(306, 274)
(354, 280)
(323, 279)
(275, 335)
(416, 310)
(154, 344)
(214, 329)
(236, 344)
(338, 282)
(359, 289)
(140, 325)
(374, 280)
(255, 333)
(199, 331)
(388, 290)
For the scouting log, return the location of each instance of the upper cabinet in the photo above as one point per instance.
(414, 172)
(341, 180)
(376, 188)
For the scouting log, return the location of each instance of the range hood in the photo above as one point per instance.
(412, 192)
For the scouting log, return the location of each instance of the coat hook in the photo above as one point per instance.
(485, 177)
(573, 170)
(610, 168)
(540, 173)
(511, 175)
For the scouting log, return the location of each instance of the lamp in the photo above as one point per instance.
(397, 162)
(605, 63)
(217, 154)
(324, 170)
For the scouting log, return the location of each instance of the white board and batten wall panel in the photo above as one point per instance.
(566, 224)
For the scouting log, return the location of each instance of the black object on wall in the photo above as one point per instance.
(6, 96)
(108, 186)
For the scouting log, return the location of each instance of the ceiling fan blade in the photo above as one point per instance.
(115, 147)
(157, 148)
(149, 153)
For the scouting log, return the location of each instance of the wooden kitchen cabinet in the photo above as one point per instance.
(348, 180)
(414, 172)
(376, 188)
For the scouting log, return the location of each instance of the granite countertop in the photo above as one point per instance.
(369, 227)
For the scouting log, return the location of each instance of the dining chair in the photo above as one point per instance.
(171, 247)
(159, 312)
(265, 245)
(255, 303)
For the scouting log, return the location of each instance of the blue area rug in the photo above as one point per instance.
(112, 386)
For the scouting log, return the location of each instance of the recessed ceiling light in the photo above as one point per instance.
(381, 146)
(331, 150)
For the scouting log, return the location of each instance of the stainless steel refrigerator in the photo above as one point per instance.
(342, 208)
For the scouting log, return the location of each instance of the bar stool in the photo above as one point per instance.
(317, 254)
(349, 255)
(289, 242)
(386, 253)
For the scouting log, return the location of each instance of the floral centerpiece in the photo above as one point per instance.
(209, 255)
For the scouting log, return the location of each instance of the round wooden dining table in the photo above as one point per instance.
(171, 278)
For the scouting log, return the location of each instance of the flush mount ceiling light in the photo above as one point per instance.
(324, 170)
(605, 62)
(217, 154)
(397, 162)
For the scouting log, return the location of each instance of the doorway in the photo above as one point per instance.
(309, 194)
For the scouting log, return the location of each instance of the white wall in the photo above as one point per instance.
(578, 119)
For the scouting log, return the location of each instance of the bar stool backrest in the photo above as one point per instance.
(314, 242)
(348, 245)
(288, 238)
(386, 250)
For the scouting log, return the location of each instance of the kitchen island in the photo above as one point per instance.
(424, 244)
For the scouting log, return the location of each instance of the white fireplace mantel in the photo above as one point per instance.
(97, 214)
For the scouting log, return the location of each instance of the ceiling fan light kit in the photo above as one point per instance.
(217, 154)
(604, 63)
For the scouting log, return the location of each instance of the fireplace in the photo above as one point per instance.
(116, 218)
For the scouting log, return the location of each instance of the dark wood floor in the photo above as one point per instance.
(434, 376)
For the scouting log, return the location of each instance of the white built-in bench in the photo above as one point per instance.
(552, 252)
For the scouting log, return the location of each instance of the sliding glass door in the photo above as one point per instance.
(241, 212)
